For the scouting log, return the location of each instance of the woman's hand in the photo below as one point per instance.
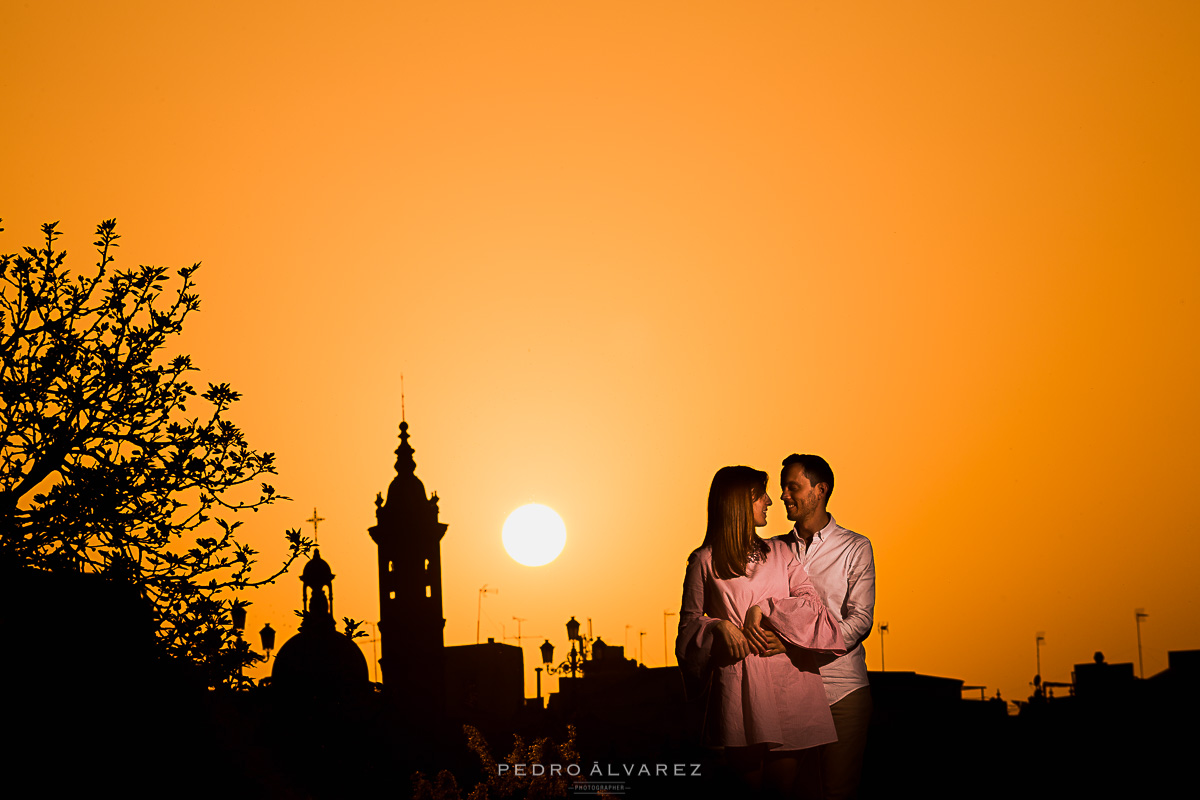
(732, 640)
(776, 645)
(757, 635)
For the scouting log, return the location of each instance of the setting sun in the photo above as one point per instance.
(534, 535)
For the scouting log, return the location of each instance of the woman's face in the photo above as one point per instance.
(761, 503)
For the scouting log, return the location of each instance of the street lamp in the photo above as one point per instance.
(547, 656)
(575, 658)
(237, 615)
(883, 628)
(267, 636)
(1041, 637)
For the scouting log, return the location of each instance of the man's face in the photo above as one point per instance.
(799, 497)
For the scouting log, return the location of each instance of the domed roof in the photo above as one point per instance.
(316, 571)
(320, 661)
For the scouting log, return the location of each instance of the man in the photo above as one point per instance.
(842, 568)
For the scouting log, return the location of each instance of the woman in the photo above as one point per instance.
(752, 622)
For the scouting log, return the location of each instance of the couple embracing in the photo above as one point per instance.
(774, 629)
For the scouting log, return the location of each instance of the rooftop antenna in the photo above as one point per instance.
(315, 520)
(402, 397)
(479, 611)
(1140, 614)
(519, 621)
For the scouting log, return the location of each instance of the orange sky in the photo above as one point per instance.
(615, 246)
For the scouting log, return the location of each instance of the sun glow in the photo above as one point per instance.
(534, 535)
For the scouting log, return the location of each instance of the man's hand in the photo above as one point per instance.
(755, 633)
(732, 640)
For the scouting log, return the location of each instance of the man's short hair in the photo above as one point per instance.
(816, 469)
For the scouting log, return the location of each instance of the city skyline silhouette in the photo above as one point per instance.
(613, 249)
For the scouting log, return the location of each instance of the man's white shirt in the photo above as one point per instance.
(841, 565)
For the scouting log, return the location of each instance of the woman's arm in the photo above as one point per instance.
(801, 619)
(701, 638)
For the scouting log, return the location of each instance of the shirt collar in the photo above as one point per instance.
(821, 534)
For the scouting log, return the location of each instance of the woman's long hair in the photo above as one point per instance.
(731, 519)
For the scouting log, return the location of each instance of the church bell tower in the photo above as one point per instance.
(409, 537)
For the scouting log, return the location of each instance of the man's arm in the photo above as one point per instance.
(858, 609)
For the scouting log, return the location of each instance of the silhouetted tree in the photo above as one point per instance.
(103, 469)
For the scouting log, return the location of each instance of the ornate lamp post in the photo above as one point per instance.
(237, 615)
(547, 656)
(575, 658)
(267, 636)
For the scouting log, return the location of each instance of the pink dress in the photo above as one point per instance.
(778, 700)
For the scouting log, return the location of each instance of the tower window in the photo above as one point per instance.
(391, 595)
(427, 564)
(391, 565)
(429, 591)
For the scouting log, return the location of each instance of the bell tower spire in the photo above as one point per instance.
(408, 534)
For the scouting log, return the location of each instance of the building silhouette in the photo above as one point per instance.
(318, 716)
(485, 686)
(319, 661)
(408, 534)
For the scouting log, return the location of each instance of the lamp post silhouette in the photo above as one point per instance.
(1041, 637)
(237, 615)
(267, 637)
(575, 658)
(547, 650)
(666, 614)
(641, 647)
(883, 628)
(1140, 614)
